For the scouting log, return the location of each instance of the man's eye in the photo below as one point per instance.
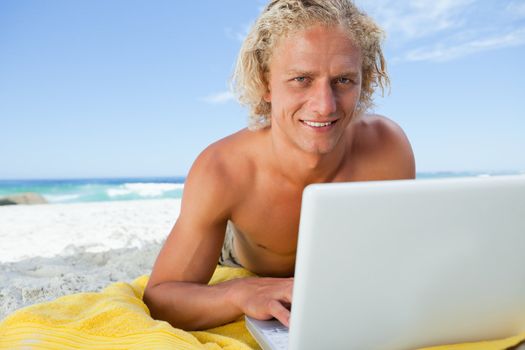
(300, 79)
(343, 81)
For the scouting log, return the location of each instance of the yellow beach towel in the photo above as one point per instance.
(116, 318)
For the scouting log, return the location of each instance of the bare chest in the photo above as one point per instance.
(268, 219)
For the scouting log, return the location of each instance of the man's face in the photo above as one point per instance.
(314, 86)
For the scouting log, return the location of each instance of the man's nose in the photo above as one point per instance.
(323, 100)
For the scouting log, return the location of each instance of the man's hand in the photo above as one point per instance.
(264, 298)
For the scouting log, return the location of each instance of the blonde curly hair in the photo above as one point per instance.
(283, 17)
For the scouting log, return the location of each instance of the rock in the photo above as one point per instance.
(23, 198)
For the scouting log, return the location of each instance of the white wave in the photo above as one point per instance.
(144, 189)
(115, 192)
(55, 198)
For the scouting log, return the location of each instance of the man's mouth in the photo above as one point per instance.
(318, 124)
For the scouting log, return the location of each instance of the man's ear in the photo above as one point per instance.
(267, 97)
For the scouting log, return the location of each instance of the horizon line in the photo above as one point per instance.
(457, 172)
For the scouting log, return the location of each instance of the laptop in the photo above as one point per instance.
(406, 264)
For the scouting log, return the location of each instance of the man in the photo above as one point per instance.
(307, 70)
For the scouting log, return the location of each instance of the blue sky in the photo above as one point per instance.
(138, 88)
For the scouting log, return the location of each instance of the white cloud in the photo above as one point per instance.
(220, 97)
(239, 34)
(441, 53)
(444, 30)
(516, 9)
(412, 19)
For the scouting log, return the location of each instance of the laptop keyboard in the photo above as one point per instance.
(277, 335)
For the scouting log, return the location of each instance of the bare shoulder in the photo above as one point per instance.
(211, 192)
(227, 160)
(219, 172)
(382, 147)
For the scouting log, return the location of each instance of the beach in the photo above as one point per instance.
(50, 250)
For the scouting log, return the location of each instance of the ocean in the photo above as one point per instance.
(122, 189)
(97, 190)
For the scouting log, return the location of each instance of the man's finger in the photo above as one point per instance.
(287, 293)
(281, 313)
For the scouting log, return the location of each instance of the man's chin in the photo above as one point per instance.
(317, 149)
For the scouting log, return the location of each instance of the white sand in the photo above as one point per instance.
(50, 250)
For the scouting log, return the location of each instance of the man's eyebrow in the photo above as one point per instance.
(351, 73)
(300, 72)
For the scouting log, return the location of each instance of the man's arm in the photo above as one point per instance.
(177, 291)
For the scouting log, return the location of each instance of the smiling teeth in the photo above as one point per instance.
(316, 124)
